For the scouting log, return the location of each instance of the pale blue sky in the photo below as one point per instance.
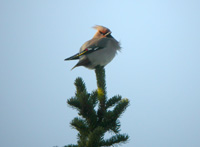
(158, 69)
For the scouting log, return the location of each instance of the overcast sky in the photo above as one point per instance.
(158, 69)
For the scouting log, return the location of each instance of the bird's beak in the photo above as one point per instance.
(107, 34)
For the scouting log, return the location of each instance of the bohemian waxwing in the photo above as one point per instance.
(100, 50)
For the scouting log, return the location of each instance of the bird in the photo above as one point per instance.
(100, 50)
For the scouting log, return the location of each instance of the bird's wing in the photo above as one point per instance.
(84, 52)
(74, 57)
(89, 47)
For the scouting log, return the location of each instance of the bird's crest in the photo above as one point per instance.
(102, 30)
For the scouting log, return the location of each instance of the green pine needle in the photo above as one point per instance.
(94, 121)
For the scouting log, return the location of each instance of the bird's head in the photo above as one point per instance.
(102, 31)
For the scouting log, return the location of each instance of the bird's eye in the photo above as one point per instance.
(101, 32)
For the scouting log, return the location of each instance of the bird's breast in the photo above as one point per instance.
(104, 56)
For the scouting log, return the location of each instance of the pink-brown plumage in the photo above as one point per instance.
(103, 48)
